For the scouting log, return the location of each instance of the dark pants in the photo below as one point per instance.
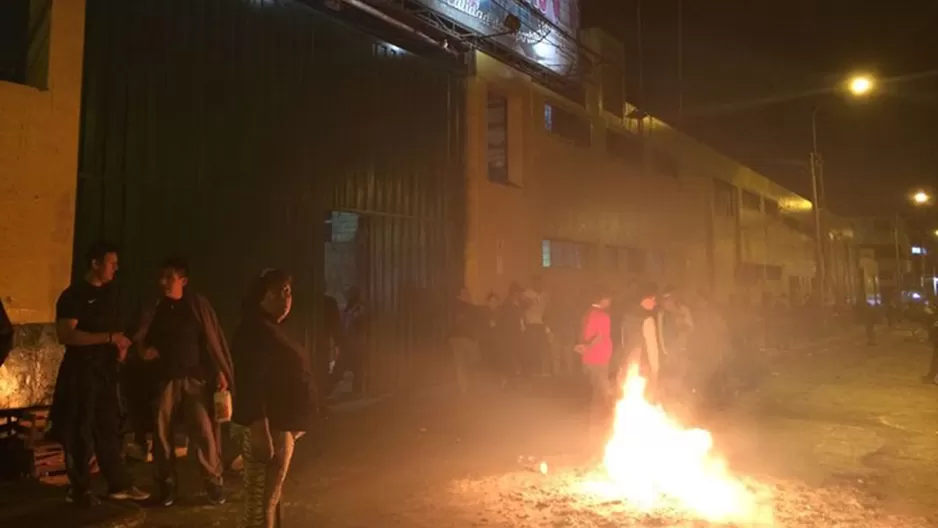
(94, 428)
(601, 402)
(188, 396)
(351, 359)
(537, 349)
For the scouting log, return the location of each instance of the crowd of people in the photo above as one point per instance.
(167, 366)
(689, 349)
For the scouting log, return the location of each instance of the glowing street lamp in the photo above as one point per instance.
(921, 198)
(860, 85)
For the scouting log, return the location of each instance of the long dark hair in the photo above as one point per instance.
(269, 280)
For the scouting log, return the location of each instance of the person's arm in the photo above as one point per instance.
(650, 334)
(218, 345)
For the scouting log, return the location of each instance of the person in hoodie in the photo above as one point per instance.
(275, 396)
(595, 349)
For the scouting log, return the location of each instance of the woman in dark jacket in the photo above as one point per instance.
(274, 401)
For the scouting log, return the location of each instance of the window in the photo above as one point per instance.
(612, 78)
(751, 201)
(564, 254)
(771, 207)
(568, 125)
(725, 198)
(773, 272)
(637, 260)
(24, 41)
(497, 120)
(625, 146)
(665, 164)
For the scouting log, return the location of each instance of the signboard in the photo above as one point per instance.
(547, 33)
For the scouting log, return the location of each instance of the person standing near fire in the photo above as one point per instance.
(353, 345)
(536, 332)
(86, 413)
(640, 340)
(180, 336)
(595, 349)
(274, 401)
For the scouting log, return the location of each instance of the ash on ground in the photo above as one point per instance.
(559, 500)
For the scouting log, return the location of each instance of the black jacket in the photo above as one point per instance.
(213, 338)
(274, 376)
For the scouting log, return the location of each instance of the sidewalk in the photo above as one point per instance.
(32, 504)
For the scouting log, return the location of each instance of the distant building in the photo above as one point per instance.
(885, 241)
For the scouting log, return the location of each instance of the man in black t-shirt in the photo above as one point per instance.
(180, 338)
(85, 409)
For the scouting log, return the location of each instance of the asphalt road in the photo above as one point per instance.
(841, 416)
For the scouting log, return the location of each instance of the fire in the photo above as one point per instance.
(651, 460)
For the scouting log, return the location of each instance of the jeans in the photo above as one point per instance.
(601, 402)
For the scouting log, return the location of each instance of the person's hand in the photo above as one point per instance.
(222, 382)
(150, 354)
(580, 349)
(121, 341)
(123, 345)
(262, 445)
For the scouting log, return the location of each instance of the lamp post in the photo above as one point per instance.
(857, 86)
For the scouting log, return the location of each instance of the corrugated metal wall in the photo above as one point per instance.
(224, 130)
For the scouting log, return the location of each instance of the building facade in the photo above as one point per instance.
(589, 189)
(886, 241)
(40, 99)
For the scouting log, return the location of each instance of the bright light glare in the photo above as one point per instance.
(861, 85)
(921, 198)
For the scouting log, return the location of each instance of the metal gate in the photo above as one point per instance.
(224, 130)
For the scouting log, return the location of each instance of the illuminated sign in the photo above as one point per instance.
(916, 250)
(547, 32)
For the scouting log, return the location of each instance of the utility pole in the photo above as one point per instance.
(820, 288)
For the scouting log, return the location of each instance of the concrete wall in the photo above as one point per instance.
(560, 190)
(38, 174)
(563, 191)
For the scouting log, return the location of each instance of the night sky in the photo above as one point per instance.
(735, 51)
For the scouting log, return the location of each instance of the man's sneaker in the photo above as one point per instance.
(82, 500)
(168, 496)
(132, 493)
(216, 494)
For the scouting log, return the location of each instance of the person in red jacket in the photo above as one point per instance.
(595, 350)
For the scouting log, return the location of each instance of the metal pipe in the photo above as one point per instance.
(377, 13)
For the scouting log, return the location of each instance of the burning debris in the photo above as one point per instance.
(651, 460)
(656, 473)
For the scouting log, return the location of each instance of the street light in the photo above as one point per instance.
(861, 85)
(857, 86)
(921, 198)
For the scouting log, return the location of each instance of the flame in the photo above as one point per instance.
(651, 460)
